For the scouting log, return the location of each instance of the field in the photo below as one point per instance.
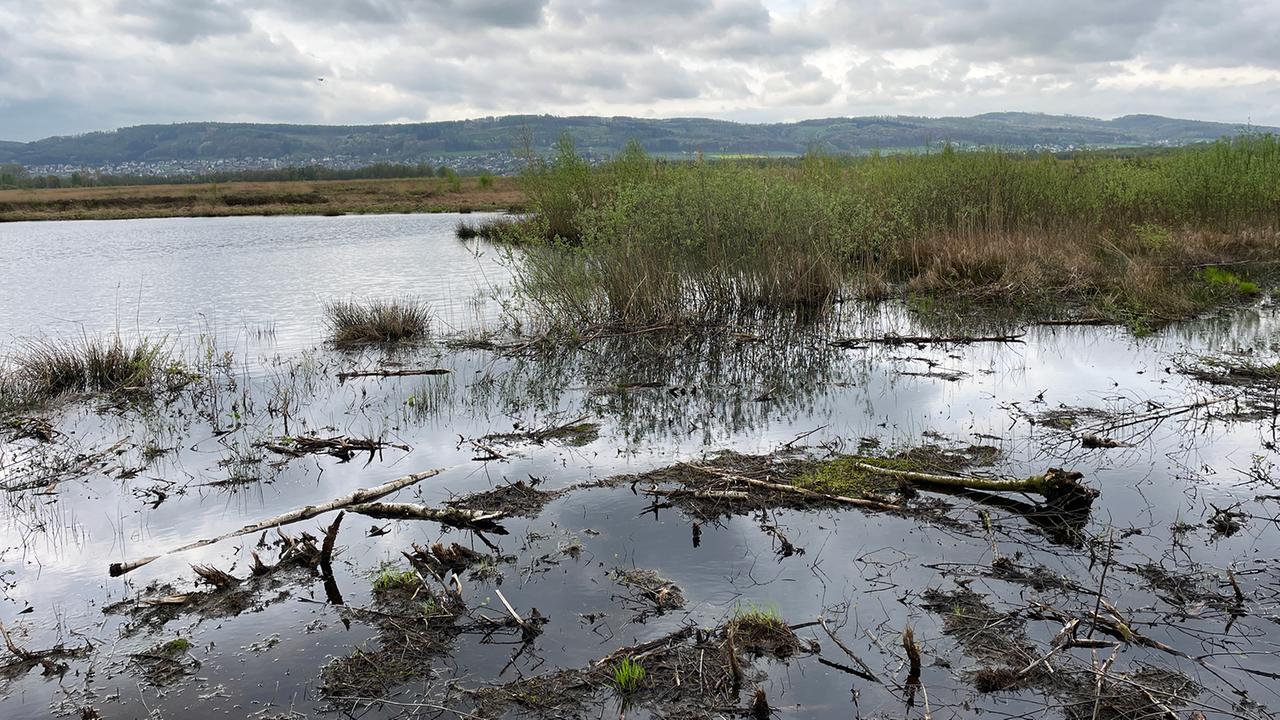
(324, 197)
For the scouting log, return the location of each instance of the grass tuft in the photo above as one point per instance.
(353, 322)
(391, 578)
(756, 617)
(504, 229)
(627, 676)
(47, 369)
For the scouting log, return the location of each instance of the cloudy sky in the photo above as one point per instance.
(69, 66)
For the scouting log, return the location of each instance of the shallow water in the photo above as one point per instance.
(254, 287)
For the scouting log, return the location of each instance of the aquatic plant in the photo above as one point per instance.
(499, 229)
(627, 676)
(42, 370)
(756, 617)
(353, 322)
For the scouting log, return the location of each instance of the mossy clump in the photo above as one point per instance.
(1227, 281)
(844, 476)
(175, 646)
(755, 617)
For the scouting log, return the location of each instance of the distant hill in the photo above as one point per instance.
(419, 141)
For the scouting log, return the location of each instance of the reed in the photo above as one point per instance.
(356, 322)
(641, 241)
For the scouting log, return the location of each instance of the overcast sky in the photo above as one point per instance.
(70, 66)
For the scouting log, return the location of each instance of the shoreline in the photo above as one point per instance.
(235, 199)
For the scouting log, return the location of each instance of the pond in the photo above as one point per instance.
(1179, 549)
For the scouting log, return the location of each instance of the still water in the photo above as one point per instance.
(242, 299)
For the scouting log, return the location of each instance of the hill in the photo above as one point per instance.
(403, 143)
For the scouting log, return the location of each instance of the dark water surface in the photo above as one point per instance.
(242, 298)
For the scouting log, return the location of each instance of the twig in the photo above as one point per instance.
(866, 673)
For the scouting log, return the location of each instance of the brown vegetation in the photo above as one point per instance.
(309, 197)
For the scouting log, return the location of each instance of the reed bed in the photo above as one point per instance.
(640, 241)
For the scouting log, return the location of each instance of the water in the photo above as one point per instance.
(255, 288)
(162, 276)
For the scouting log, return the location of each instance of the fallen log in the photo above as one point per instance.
(402, 372)
(1061, 488)
(892, 339)
(340, 447)
(858, 502)
(453, 517)
(362, 495)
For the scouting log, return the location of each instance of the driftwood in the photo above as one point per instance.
(362, 495)
(858, 502)
(892, 339)
(1060, 487)
(453, 517)
(338, 446)
(403, 372)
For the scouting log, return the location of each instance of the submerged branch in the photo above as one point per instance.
(359, 496)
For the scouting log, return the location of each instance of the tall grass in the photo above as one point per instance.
(354, 322)
(639, 241)
(43, 370)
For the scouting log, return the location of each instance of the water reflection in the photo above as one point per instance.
(199, 464)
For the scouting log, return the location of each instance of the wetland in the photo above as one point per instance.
(735, 486)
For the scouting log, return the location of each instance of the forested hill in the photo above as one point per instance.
(414, 142)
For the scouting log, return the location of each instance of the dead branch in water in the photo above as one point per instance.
(391, 372)
(858, 502)
(340, 447)
(453, 517)
(1059, 487)
(362, 495)
(894, 340)
(866, 673)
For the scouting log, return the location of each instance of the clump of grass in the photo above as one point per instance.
(353, 322)
(760, 630)
(391, 578)
(498, 229)
(627, 676)
(1222, 279)
(46, 369)
(756, 617)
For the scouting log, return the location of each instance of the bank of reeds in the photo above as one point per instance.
(504, 229)
(640, 241)
(41, 371)
(357, 322)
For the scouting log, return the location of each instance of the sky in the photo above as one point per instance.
(71, 66)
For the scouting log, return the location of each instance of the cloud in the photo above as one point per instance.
(184, 22)
(79, 65)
